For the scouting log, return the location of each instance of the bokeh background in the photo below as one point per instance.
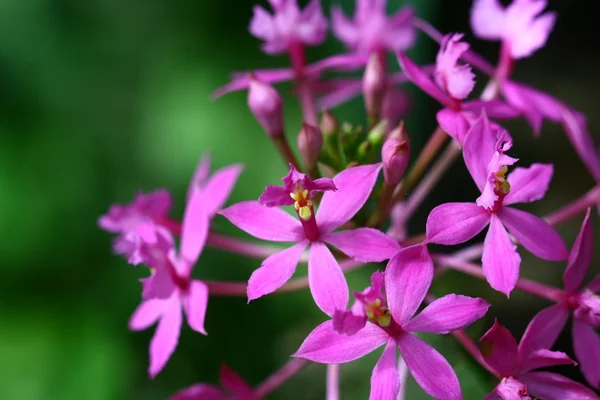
(102, 98)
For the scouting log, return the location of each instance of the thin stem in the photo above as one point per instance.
(333, 382)
(307, 101)
(283, 147)
(538, 289)
(572, 209)
(279, 377)
(245, 248)
(383, 206)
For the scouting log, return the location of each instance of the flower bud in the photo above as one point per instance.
(310, 141)
(329, 124)
(374, 85)
(395, 155)
(267, 106)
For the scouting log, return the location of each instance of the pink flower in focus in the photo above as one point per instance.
(583, 303)
(515, 364)
(521, 26)
(288, 26)
(372, 30)
(454, 223)
(235, 386)
(453, 83)
(384, 314)
(326, 279)
(170, 287)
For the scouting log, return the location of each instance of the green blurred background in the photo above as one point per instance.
(101, 98)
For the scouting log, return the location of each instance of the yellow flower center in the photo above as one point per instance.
(501, 185)
(302, 204)
(378, 314)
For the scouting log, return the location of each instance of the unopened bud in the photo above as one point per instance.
(374, 85)
(329, 124)
(310, 141)
(395, 155)
(267, 106)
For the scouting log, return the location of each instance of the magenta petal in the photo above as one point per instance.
(264, 223)
(421, 79)
(364, 244)
(241, 80)
(407, 279)
(326, 280)
(235, 384)
(528, 184)
(550, 386)
(580, 256)
(478, 149)
(455, 223)
(159, 285)
(493, 395)
(545, 358)
(195, 304)
(429, 368)
(146, 314)
(499, 349)
(453, 123)
(218, 188)
(586, 344)
(354, 186)
(577, 131)
(448, 314)
(348, 322)
(543, 330)
(200, 391)
(493, 108)
(534, 234)
(511, 389)
(324, 345)
(194, 228)
(166, 336)
(275, 196)
(488, 19)
(274, 271)
(500, 260)
(385, 379)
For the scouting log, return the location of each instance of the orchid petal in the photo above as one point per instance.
(478, 149)
(455, 223)
(499, 349)
(545, 358)
(500, 260)
(586, 344)
(385, 379)
(528, 184)
(364, 244)
(166, 336)
(408, 277)
(512, 389)
(580, 256)
(326, 280)
(194, 229)
(550, 386)
(274, 271)
(577, 131)
(488, 19)
(354, 186)
(235, 384)
(448, 314)
(534, 234)
(453, 123)
(422, 80)
(264, 223)
(159, 285)
(195, 304)
(146, 314)
(543, 330)
(429, 368)
(218, 188)
(324, 345)
(200, 391)
(493, 108)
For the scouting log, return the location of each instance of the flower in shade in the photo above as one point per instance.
(371, 30)
(582, 302)
(288, 25)
(136, 223)
(235, 386)
(451, 85)
(262, 219)
(454, 223)
(170, 287)
(521, 26)
(384, 314)
(515, 365)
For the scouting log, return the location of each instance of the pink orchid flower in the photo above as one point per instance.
(288, 26)
(326, 280)
(384, 314)
(372, 30)
(234, 385)
(453, 83)
(515, 363)
(454, 223)
(521, 27)
(581, 302)
(170, 287)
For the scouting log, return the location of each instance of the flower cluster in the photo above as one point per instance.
(348, 203)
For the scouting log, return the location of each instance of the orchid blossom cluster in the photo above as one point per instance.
(347, 204)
